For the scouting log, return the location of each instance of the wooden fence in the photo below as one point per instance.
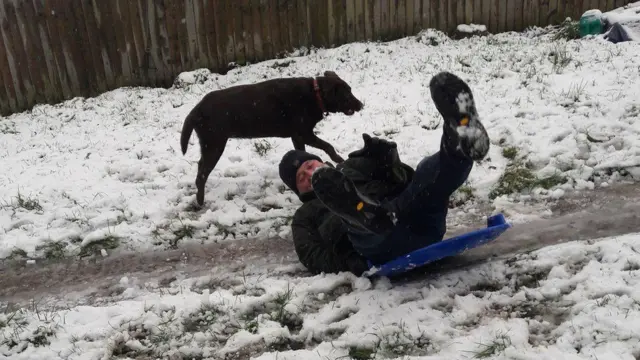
(53, 50)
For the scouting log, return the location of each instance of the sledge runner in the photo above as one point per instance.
(372, 207)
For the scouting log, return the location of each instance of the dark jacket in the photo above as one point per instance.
(320, 237)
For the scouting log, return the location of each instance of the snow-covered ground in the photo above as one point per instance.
(107, 172)
(571, 301)
(90, 176)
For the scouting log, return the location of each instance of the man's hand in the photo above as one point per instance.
(384, 151)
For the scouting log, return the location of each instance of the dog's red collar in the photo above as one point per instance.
(316, 89)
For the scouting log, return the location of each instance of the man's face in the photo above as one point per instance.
(303, 175)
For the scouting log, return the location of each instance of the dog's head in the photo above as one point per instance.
(337, 96)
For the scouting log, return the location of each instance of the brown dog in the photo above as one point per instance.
(284, 107)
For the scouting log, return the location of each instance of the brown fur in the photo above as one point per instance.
(283, 107)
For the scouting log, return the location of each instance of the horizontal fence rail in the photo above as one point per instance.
(51, 51)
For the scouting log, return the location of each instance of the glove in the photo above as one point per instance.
(386, 152)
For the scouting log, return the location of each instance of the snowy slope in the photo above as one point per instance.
(107, 172)
(570, 301)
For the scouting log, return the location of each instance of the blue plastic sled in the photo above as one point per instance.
(496, 225)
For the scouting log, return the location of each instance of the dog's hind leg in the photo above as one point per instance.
(316, 142)
(298, 143)
(208, 160)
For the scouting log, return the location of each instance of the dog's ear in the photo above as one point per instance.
(331, 73)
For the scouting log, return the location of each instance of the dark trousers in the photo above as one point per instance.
(421, 209)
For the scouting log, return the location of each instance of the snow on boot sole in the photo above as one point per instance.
(454, 100)
(340, 195)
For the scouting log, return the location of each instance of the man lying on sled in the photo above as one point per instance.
(374, 208)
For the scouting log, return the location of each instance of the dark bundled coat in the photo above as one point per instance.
(320, 237)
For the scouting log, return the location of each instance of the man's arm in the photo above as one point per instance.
(318, 255)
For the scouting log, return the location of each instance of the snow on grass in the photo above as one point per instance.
(577, 300)
(92, 175)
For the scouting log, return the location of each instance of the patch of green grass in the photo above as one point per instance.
(517, 177)
(568, 30)
(53, 249)
(17, 253)
(560, 58)
(27, 203)
(262, 147)
(494, 347)
(109, 242)
(510, 152)
(201, 319)
(361, 353)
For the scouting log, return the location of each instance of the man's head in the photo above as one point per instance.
(296, 168)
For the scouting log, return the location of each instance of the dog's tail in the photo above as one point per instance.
(187, 129)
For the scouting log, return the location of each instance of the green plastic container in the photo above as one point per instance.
(591, 23)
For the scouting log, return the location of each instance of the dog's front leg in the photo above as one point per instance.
(316, 142)
(298, 142)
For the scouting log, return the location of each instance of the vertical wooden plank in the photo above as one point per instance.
(436, 15)
(494, 16)
(141, 38)
(416, 15)
(180, 14)
(535, 12)
(265, 21)
(210, 26)
(486, 14)
(292, 11)
(204, 58)
(451, 15)
(258, 39)
(171, 19)
(477, 13)
(543, 13)
(375, 13)
(246, 31)
(128, 51)
(578, 6)
(401, 18)
(56, 93)
(392, 15)
(284, 26)
(503, 16)
(460, 13)
(553, 12)
(443, 15)
(304, 37)
(35, 49)
(314, 17)
(110, 22)
(230, 32)
(509, 15)
(275, 28)
(352, 22)
(117, 28)
(190, 27)
(620, 3)
(92, 44)
(340, 21)
(517, 15)
(20, 71)
(468, 11)
(51, 19)
(384, 19)
(425, 21)
(7, 90)
(239, 37)
(28, 41)
(108, 43)
(159, 45)
(359, 20)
